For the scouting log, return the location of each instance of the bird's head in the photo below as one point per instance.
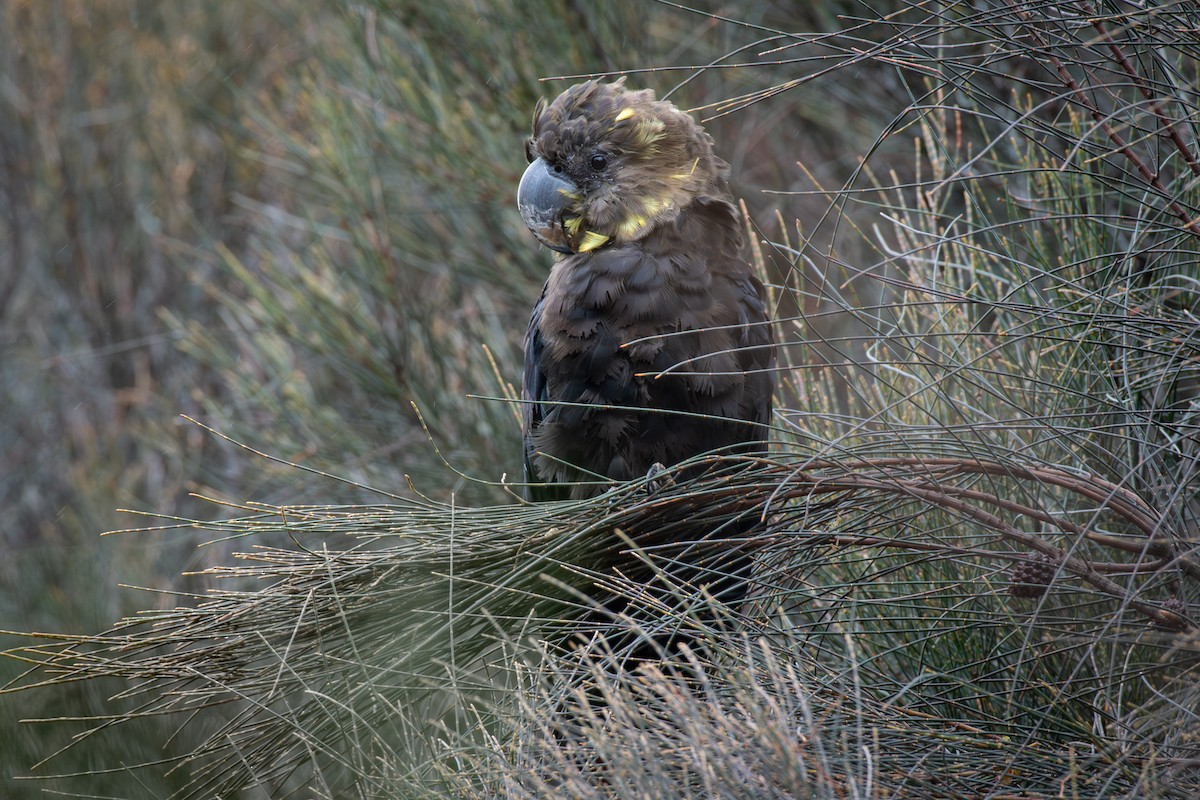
(606, 165)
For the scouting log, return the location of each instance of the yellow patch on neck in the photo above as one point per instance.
(591, 240)
(625, 114)
(635, 222)
(629, 228)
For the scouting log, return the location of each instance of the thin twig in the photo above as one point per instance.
(1139, 81)
(1191, 223)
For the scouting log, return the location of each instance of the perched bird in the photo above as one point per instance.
(650, 343)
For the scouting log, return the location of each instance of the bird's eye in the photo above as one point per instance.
(598, 162)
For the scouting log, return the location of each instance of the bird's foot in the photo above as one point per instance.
(654, 483)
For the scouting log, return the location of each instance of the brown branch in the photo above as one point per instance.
(866, 540)
(883, 476)
(1189, 222)
(1167, 123)
(1081, 567)
(1142, 547)
(1120, 500)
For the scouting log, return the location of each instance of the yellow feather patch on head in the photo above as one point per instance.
(625, 114)
(648, 132)
(572, 225)
(591, 240)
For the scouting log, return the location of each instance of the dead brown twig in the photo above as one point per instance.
(1151, 176)
(774, 486)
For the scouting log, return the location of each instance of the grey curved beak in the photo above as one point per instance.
(542, 197)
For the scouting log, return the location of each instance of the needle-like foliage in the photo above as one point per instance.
(976, 560)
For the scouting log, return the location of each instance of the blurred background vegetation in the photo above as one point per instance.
(294, 223)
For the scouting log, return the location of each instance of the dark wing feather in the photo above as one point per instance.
(533, 395)
(756, 354)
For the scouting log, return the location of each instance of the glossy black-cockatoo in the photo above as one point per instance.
(651, 342)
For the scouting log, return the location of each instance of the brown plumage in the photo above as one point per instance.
(650, 343)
